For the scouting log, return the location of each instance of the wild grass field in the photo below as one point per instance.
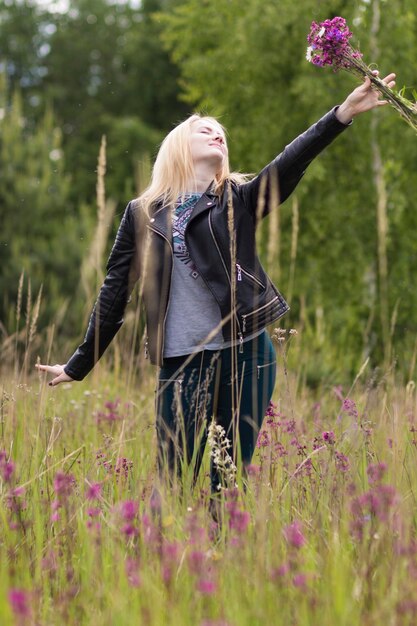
(320, 531)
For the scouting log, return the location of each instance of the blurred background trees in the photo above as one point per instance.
(70, 74)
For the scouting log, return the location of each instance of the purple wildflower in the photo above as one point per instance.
(6, 467)
(93, 511)
(329, 44)
(63, 484)
(281, 571)
(206, 586)
(329, 437)
(376, 504)
(239, 521)
(349, 407)
(20, 602)
(112, 414)
(293, 534)
(300, 580)
(342, 462)
(14, 499)
(93, 491)
(264, 439)
(130, 530)
(376, 472)
(129, 510)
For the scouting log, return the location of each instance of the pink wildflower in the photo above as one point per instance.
(129, 510)
(329, 437)
(206, 586)
(6, 467)
(63, 484)
(93, 491)
(19, 602)
(342, 462)
(293, 534)
(376, 472)
(300, 580)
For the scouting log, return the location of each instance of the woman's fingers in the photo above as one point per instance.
(390, 78)
(57, 371)
(52, 369)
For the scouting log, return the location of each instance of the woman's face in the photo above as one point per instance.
(208, 143)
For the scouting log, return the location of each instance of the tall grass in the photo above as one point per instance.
(321, 531)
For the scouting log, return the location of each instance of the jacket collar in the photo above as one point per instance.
(161, 217)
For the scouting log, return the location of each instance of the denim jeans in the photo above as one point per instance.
(232, 386)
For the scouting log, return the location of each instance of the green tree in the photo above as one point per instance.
(39, 233)
(248, 67)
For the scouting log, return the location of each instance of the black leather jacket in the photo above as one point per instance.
(247, 298)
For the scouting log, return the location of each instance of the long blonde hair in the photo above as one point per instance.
(173, 167)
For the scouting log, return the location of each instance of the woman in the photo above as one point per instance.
(190, 238)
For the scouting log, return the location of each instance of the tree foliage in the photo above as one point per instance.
(130, 72)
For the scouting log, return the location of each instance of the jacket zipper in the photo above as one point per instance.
(256, 311)
(158, 232)
(240, 334)
(240, 270)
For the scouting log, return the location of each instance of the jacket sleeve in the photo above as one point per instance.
(283, 174)
(107, 315)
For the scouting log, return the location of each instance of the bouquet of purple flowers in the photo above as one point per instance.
(329, 45)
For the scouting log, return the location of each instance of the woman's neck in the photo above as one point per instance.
(204, 176)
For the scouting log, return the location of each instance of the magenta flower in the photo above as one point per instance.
(130, 530)
(329, 45)
(329, 437)
(253, 470)
(63, 484)
(293, 534)
(93, 491)
(129, 510)
(264, 439)
(206, 586)
(300, 580)
(14, 499)
(342, 462)
(112, 414)
(376, 472)
(376, 504)
(6, 467)
(239, 520)
(19, 601)
(349, 407)
(93, 511)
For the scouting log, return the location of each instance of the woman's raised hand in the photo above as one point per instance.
(57, 371)
(363, 98)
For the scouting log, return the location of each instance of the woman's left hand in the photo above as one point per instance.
(363, 98)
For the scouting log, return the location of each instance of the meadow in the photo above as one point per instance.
(321, 530)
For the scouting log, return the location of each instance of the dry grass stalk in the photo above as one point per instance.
(92, 263)
(19, 299)
(35, 315)
(28, 310)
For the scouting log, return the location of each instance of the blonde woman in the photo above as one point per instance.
(190, 239)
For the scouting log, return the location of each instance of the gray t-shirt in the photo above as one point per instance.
(193, 319)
